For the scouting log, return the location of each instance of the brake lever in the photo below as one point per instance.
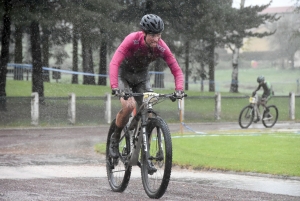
(125, 95)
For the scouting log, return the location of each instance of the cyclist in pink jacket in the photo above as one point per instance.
(128, 69)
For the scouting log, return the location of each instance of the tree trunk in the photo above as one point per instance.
(75, 54)
(292, 64)
(87, 62)
(103, 63)
(202, 77)
(45, 52)
(91, 79)
(4, 53)
(187, 59)
(235, 61)
(211, 66)
(18, 72)
(84, 58)
(18, 44)
(159, 77)
(37, 70)
(235, 71)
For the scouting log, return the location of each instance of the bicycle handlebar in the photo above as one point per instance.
(172, 96)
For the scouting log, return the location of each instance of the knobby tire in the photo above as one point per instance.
(246, 116)
(269, 122)
(156, 184)
(117, 173)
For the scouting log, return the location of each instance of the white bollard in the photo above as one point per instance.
(292, 106)
(218, 106)
(108, 108)
(72, 108)
(182, 108)
(35, 109)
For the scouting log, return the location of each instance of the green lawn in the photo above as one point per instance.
(241, 151)
(23, 89)
(270, 153)
(276, 153)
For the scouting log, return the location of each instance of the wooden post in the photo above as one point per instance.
(35, 109)
(72, 108)
(292, 106)
(218, 106)
(108, 108)
(180, 114)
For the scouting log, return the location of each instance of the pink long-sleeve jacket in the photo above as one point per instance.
(135, 56)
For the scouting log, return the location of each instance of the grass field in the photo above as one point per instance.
(272, 153)
(241, 151)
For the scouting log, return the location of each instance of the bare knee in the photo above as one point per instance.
(123, 115)
(128, 105)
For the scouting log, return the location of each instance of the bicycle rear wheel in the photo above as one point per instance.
(118, 173)
(270, 118)
(246, 116)
(160, 152)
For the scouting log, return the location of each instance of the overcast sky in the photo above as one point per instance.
(275, 3)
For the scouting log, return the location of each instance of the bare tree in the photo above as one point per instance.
(5, 52)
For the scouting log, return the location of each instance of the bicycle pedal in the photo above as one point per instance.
(151, 170)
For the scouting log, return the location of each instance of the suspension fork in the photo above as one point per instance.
(144, 132)
(146, 138)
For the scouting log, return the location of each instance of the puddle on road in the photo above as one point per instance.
(253, 183)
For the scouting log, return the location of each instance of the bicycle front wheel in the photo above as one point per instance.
(270, 117)
(246, 116)
(160, 157)
(118, 173)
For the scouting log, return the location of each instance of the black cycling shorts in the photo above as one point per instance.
(134, 82)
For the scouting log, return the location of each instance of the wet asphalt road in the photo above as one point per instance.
(61, 164)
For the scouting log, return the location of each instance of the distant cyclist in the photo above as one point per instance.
(129, 69)
(267, 94)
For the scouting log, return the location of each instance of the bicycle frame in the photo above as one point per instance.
(253, 102)
(145, 142)
(140, 138)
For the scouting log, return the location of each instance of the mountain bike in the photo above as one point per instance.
(145, 142)
(269, 115)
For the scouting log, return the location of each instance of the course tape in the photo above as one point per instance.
(29, 66)
(189, 128)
